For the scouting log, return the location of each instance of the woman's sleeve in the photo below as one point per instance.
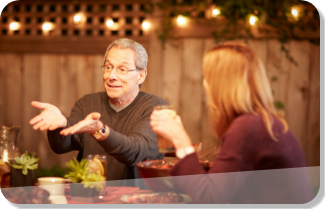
(225, 177)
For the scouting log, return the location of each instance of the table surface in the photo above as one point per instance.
(113, 195)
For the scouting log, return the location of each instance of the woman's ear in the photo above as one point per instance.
(143, 75)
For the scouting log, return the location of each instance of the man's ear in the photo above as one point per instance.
(143, 75)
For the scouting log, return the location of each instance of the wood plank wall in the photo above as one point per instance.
(174, 74)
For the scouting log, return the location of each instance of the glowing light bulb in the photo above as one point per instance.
(215, 12)
(109, 23)
(145, 25)
(181, 20)
(46, 26)
(14, 26)
(77, 18)
(53, 180)
(252, 20)
(294, 12)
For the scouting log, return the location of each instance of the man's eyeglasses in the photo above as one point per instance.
(109, 68)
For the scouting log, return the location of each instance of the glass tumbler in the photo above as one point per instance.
(98, 163)
(165, 145)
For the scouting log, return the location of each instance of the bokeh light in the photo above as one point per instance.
(294, 12)
(47, 26)
(145, 25)
(215, 12)
(77, 18)
(181, 20)
(14, 26)
(252, 20)
(109, 22)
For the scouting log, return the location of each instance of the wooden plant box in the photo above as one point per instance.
(81, 194)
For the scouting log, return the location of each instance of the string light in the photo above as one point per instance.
(77, 18)
(46, 26)
(181, 20)
(109, 22)
(294, 12)
(14, 26)
(252, 20)
(145, 25)
(215, 12)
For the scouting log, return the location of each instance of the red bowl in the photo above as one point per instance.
(156, 174)
(158, 178)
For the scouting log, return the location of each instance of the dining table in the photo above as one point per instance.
(112, 195)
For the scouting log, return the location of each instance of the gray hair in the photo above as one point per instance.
(141, 56)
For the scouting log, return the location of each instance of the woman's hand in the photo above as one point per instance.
(51, 117)
(168, 127)
(90, 125)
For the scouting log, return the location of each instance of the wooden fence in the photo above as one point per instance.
(174, 74)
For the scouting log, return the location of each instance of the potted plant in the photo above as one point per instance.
(22, 170)
(85, 184)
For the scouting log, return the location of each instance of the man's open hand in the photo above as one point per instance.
(50, 118)
(90, 124)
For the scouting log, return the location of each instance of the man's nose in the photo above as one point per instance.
(111, 75)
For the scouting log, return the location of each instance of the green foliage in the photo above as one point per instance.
(274, 78)
(56, 171)
(25, 161)
(81, 174)
(279, 105)
(273, 16)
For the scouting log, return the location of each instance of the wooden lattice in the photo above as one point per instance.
(31, 15)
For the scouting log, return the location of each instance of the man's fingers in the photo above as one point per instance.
(53, 127)
(35, 119)
(39, 105)
(45, 127)
(95, 116)
(65, 132)
(178, 119)
(38, 125)
(70, 130)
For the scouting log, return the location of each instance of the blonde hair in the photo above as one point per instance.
(237, 84)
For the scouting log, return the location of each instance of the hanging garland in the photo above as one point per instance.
(235, 17)
(286, 20)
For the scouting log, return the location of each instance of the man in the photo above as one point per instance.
(114, 123)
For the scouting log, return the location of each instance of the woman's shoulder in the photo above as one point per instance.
(247, 121)
(249, 126)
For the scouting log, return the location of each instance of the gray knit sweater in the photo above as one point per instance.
(130, 140)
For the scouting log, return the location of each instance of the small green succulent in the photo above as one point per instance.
(81, 174)
(25, 161)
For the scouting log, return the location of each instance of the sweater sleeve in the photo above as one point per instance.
(62, 144)
(139, 145)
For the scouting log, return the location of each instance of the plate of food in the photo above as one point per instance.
(156, 198)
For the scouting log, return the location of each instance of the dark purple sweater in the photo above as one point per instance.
(250, 168)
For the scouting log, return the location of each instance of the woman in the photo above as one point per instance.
(253, 137)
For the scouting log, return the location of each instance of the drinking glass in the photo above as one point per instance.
(98, 163)
(165, 145)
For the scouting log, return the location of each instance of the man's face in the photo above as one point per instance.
(120, 88)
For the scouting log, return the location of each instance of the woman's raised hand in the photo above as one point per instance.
(169, 127)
